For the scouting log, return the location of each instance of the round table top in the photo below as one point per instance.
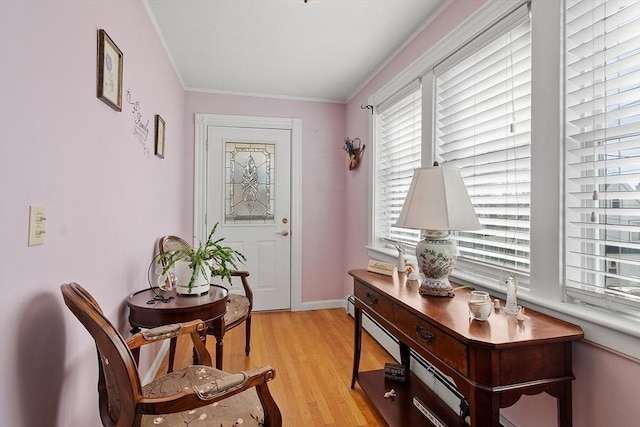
(146, 310)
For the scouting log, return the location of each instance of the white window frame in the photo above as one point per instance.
(383, 232)
(495, 34)
(597, 85)
(613, 330)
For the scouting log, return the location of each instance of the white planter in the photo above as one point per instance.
(183, 276)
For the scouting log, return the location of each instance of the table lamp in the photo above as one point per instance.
(437, 202)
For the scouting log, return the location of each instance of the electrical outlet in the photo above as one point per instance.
(37, 225)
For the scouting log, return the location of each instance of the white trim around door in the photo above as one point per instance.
(202, 121)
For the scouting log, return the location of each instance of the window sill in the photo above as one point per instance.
(614, 331)
(389, 255)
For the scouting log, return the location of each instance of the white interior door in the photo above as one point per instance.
(248, 194)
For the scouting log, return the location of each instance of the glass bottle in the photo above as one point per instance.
(511, 283)
(402, 266)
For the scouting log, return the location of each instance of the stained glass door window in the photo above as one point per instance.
(249, 183)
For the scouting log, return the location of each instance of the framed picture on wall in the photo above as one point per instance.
(109, 84)
(160, 129)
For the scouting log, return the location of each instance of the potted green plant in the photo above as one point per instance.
(194, 267)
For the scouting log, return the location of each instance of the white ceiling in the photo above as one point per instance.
(320, 50)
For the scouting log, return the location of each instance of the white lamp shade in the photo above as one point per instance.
(438, 200)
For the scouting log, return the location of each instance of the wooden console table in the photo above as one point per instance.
(493, 363)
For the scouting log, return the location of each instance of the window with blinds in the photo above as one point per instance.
(398, 153)
(483, 127)
(602, 151)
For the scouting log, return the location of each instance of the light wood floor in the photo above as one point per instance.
(312, 353)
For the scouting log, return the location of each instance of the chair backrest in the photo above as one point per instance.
(171, 243)
(119, 386)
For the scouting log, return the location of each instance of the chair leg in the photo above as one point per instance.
(247, 347)
(219, 349)
(172, 354)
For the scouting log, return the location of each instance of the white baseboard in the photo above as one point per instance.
(155, 366)
(318, 305)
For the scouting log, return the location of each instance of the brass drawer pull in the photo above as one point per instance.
(372, 298)
(423, 334)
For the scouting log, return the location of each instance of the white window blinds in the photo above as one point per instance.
(398, 139)
(483, 127)
(603, 150)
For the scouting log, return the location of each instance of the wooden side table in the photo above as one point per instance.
(146, 311)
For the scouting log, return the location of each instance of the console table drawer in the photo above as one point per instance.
(374, 300)
(449, 350)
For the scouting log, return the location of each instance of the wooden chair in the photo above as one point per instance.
(195, 393)
(238, 306)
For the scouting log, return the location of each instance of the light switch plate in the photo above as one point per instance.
(37, 225)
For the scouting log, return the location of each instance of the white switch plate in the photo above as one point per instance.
(37, 225)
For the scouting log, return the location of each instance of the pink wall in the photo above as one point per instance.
(606, 390)
(106, 201)
(323, 180)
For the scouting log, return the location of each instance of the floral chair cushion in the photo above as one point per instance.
(237, 307)
(241, 409)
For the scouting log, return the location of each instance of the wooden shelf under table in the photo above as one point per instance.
(400, 411)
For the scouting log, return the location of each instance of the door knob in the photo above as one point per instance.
(283, 233)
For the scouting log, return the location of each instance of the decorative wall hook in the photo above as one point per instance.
(368, 107)
(354, 149)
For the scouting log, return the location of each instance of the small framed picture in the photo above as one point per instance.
(160, 130)
(395, 372)
(109, 84)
